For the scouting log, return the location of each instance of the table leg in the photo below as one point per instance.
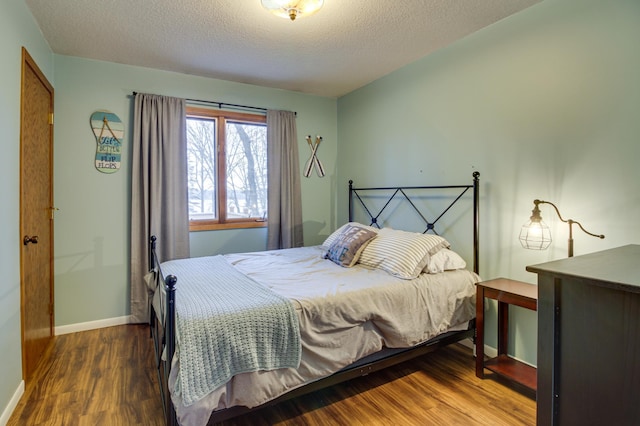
(480, 332)
(503, 327)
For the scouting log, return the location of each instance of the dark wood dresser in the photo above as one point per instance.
(589, 339)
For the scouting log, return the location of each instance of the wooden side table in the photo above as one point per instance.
(506, 292)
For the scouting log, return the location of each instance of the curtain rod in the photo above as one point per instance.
(221, 104)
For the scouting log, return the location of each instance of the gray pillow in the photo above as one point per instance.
(347, 246)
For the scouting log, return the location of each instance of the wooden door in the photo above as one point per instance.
(36, 214)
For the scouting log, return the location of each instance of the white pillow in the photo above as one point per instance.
(331, 238)
(400, 253)
(445, 260)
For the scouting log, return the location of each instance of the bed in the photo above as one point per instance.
(238, 332)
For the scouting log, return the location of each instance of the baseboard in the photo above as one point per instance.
(489, 351)
(13, 403)
(469, 344)
(91, 325)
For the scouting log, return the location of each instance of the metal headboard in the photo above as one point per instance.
(358, 194)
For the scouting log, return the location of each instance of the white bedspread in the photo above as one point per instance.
(345, 314)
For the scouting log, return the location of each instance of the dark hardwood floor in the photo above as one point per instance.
(107, 377)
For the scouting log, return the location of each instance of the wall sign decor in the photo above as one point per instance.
(109, 132)
(313, 161)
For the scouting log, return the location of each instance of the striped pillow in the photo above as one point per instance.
(400, 253)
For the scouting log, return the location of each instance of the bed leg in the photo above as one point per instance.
(170, 338)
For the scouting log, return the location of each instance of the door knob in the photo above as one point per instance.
(27, 239)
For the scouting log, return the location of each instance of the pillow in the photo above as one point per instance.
(346, 248)
(400, 253)
(331, 238)
(445, 260)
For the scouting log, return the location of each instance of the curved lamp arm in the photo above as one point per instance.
(537, 218)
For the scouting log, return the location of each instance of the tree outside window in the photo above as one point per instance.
(227, 166)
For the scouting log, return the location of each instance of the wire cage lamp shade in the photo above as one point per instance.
(292, 9)
(535, 234)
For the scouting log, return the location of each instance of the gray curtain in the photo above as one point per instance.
(284, 211)
(159, 199)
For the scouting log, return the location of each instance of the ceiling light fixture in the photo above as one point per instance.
(292, 9)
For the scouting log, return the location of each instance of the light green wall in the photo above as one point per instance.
(17, 29)
(544, 104)
(92, 226)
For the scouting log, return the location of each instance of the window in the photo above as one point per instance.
(227, 166)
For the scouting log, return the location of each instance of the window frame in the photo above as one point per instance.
(221, 117)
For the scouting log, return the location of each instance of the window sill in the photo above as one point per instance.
(202, 225)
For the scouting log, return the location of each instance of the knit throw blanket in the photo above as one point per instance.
(226, 324)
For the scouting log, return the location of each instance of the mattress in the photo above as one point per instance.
(344, 314)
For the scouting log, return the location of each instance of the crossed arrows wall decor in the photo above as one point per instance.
(313, 161)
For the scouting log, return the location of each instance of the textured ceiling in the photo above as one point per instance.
(346, 45)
